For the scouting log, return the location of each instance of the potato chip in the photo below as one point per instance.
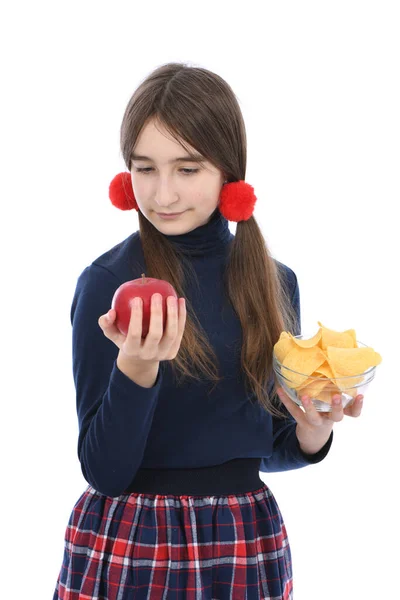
(307, 343)
(317, 381)
(312, 387)
(329, 337)
(304, 361)
(327, 394)
(351, 361)
(324, 370)
(347, 383)
(283, 346)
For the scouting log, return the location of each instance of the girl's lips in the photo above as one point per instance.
(170, 215)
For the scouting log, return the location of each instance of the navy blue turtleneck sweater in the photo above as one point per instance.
(124, 426)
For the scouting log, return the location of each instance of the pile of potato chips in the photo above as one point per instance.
(319, 363)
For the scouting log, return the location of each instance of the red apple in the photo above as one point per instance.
(144, 288)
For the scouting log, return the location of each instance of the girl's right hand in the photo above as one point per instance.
(157, 345)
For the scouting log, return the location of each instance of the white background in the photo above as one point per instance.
(318, 83)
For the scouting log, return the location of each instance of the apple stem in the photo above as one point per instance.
(143, 278)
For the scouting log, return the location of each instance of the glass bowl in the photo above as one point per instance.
(322, 389)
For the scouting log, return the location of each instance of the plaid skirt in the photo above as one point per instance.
(168, 546)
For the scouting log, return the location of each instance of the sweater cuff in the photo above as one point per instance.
(318, 456)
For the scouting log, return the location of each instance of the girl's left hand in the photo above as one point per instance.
(313, 427)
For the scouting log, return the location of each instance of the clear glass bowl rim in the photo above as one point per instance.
(370, 370)
(331, 382)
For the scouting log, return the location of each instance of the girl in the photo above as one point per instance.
(175, 507)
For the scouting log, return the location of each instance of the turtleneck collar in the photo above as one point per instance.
(209, 239)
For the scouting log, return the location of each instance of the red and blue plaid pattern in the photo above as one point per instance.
(165, 547)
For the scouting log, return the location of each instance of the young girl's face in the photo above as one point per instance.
(164, 181)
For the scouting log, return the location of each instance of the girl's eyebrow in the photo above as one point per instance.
(196, 158)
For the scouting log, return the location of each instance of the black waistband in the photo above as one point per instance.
(236, 476)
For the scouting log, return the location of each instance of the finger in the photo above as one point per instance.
(182, 316)
(134, 335)
(171, 328)
(337, 408)
(312, 415)
(292, 407)
(156, 319)
(172, 318)
(181, 326)
(355, 408)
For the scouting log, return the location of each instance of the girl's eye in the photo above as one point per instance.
(146, 170)
(142, 169)
(189, 171)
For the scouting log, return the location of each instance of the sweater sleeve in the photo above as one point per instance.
(286, 453)
(114, 413)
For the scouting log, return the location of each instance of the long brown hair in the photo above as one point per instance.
(198, 107)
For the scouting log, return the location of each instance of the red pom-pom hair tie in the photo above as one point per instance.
(237, 199)
(121, 192)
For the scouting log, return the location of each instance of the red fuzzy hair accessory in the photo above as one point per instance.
(121, 192)
(237, 199)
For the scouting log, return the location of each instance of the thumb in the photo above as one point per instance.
(107, 319)
(110, 330)
(111, 315)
